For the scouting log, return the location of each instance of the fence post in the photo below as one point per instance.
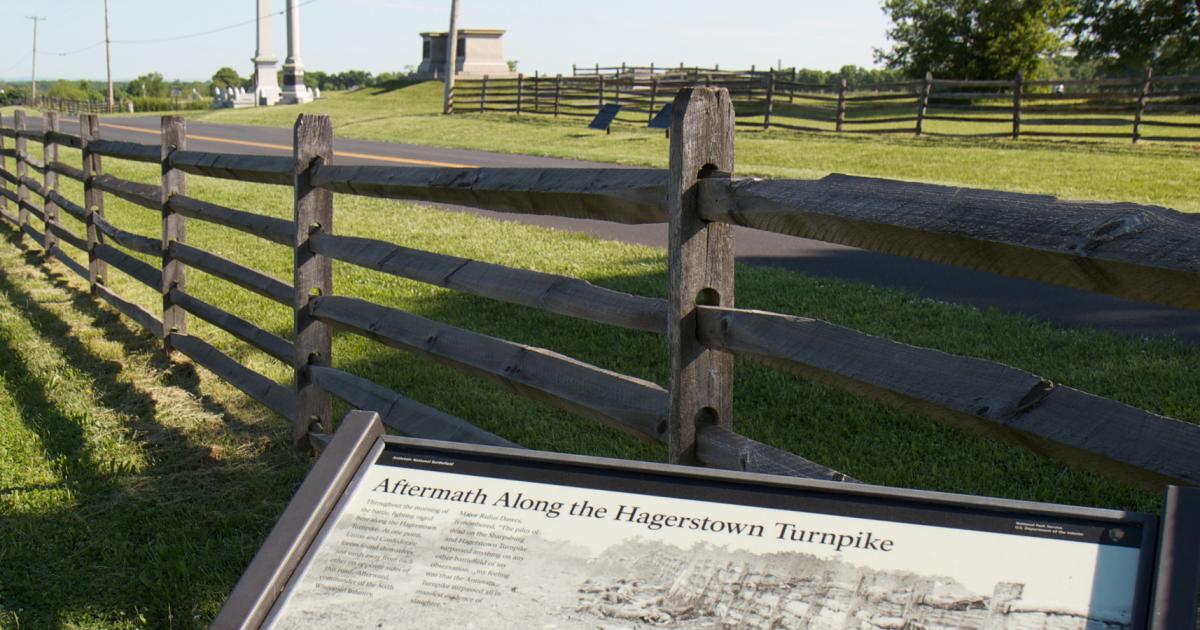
(574, 70)
(3, 167)
(520, 87)
(1018, 90)
(557, 93)
(770, 99)
(792, 91)
(50, 181)
(174, 228)
(601, 90)
(700, 268)
(537, 92)
(841, 107)
(1143, 96)
(93, 198)
(653, 100)
(450, 98)
(22, 168)
(924, 102)
(483, 93)
(313, 274)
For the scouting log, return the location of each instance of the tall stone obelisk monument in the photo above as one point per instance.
(294, 90)
(266, 84)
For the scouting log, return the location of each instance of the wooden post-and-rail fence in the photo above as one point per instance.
(1123, 108)
(1140, 252)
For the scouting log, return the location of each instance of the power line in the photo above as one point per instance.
(159, 40)
(16, 63)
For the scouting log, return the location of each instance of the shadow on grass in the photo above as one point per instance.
(189, 558)
(145, 505)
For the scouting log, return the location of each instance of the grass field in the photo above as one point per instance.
(135, 488)
(1158, 173)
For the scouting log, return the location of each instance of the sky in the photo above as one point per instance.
(382, 35)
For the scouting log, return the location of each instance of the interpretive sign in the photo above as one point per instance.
(604, 118)
(432, 534)
(662, 120)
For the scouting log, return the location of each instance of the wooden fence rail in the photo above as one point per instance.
(1129, 250)
(1125, 108)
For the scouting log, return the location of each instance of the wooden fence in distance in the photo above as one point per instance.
(1140, 252)
(1165, 108)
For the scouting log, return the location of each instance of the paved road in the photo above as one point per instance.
(1062, 306)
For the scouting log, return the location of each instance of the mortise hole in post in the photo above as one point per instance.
(708, 296)
(314, 292)
(707, 416)
(314, 227)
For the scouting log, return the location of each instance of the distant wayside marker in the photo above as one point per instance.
(662, 120)
(604, 117)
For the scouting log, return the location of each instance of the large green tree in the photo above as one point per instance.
(150, 84)
(1128, 36)
(973, 39)
(227, 77)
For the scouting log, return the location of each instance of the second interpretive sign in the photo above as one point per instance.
(433, 536)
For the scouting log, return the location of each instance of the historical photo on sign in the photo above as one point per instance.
(428, 541)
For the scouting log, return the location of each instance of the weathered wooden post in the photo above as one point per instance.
(174, 228)
(3, 167)
(22, 168)
(520, 86)
(1018, 89)
(792, 91)
(1143, 96)
(841, 107)
(653, 100)
(557, 93)
(770, 99)
(483, 93)
(700, 269)
(50, 182)
(313, 274)
(923, 102)
(93, 199)
(601, 90)
(537, 92)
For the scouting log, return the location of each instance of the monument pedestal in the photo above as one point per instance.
(266, 85)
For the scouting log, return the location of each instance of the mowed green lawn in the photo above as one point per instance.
(134, 488)
(1116, 170)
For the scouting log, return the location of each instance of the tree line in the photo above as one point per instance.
(988, 39)
(227, 77)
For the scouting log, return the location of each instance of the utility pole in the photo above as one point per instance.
(451, 58)
(33, 71)
(108, 55)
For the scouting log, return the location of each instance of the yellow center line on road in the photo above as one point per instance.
(288, 148)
